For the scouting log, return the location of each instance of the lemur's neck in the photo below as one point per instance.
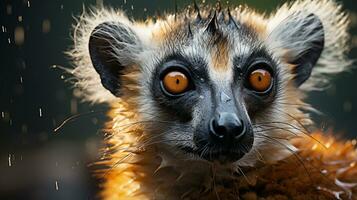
(320, 168)
(155, 173)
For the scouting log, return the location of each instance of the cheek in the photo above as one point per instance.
(198, 118)
(178, 136)
(259, 105)
(203, 109)
(201, 117)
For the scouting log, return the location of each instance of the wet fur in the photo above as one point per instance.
(140, 157)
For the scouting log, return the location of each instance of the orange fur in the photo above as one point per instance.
(135, 173)
(137, 168)
(220, 55)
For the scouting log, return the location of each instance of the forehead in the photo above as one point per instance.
(216, 37)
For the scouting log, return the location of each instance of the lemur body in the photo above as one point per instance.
(207, 103)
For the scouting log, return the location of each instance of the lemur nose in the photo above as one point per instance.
(226, 126)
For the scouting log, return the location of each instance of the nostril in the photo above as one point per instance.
(240, 130)
(221, 130)
(217, 130)
(227, 126)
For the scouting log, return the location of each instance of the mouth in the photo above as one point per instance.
(227, 155)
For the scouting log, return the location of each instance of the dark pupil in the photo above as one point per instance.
(259, 78)
(177, 81)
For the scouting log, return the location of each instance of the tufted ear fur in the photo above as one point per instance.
(106, 45)
(312, 37)
(112, 46)
(301, 35)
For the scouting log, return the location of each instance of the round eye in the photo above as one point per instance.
(175, 82)
(260, 80)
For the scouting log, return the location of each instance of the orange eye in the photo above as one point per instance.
(175, 82)
(260, 80)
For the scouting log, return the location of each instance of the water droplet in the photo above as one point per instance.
(9, 160)
(40, 112)
(132, 7)
(3, 29)
(19, 18)
(63, 77)
(28, 4)
(9, 40)
(202, 79)
(21, 79)
(56, 185)
(202, 97)
(124, 1)
(3, 114)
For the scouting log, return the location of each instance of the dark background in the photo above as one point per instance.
(36, 162)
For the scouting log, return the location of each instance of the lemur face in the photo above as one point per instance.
(211, 84)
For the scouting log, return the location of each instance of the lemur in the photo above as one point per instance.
(208, 102)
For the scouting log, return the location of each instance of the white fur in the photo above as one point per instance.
(146, 53)
(87, 79)
(333, 59)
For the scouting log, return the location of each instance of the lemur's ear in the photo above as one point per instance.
(112, 47)
(300, 38)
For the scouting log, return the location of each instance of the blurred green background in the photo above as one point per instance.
(35, 162)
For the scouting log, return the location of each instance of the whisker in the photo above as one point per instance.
(292, 127)
(131, 153)
(300, 160)
(259, 155)
(214, 181)
(302, 125)
(277, 128)
(75, 117)
(89, 113)
(245, 177)
(149, 139)
(284, 123)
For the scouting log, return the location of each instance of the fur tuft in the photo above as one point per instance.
(143, 159)
(87, 79)
(335, 22)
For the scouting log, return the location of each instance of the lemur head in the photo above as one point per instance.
(213, 84)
